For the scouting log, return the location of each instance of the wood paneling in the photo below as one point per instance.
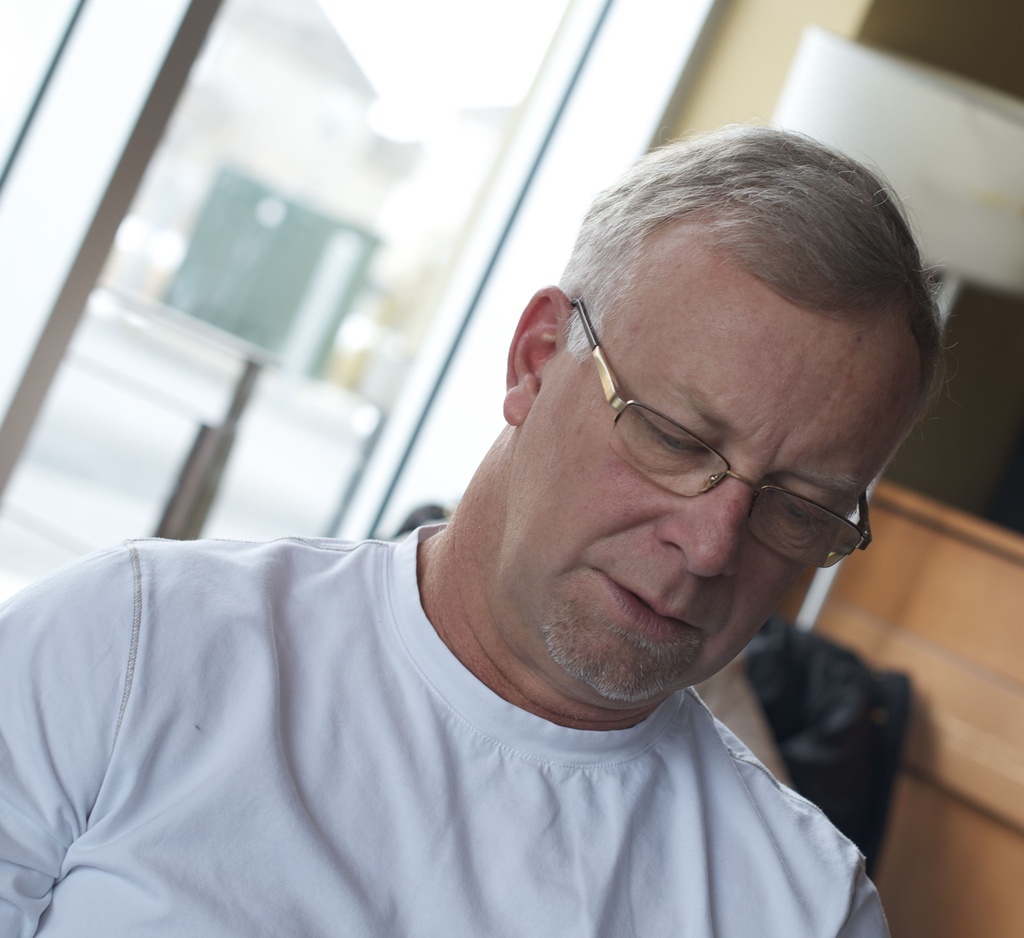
(948, 870)
(940, 596)
(967, 732)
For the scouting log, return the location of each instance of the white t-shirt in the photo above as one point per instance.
(235, 739)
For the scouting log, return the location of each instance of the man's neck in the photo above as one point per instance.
(451, 580)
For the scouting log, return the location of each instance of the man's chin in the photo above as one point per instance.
(619, 665)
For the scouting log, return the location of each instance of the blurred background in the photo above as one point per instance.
(230, 231)
(259, 258)
(260, 261)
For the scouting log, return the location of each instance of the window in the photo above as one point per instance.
(311, 239)
(30, 37)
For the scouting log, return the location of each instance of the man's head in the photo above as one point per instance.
(820, 229)
(796, 338)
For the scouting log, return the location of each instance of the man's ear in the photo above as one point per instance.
(537, 337)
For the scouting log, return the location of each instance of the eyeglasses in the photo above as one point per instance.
(672, 457)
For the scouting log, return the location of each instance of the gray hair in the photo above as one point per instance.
(818, 228)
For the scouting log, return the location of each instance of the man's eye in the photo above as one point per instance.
(797, 510)
(680, 446)
(664, 435)
(799, 516)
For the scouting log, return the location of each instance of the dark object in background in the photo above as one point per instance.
(1007, 505)
(838, 724)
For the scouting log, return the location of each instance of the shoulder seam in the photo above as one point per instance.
(134, 645)
(327, 544)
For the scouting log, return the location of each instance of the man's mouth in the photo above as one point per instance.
(640, 615)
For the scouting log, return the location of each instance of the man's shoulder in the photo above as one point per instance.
(219, 561)
(151, 579)
(249, 577)
(241, 551)
(205, 557)
(774, 848)
(791, 825)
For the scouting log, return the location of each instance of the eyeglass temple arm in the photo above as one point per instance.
(588, 328)
(604, 371)
(865, 525)
(607, 381)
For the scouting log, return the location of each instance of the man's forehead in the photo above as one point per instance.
(717, 350)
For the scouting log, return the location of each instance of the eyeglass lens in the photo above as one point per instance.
(680, 462)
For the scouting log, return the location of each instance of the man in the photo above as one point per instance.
(487, 729)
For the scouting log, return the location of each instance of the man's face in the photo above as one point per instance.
(614, 592)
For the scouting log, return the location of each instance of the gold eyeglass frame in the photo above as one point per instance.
(619, 405)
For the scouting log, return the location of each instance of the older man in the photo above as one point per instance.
(488, 729)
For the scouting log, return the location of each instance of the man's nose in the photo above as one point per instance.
(709, 528)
